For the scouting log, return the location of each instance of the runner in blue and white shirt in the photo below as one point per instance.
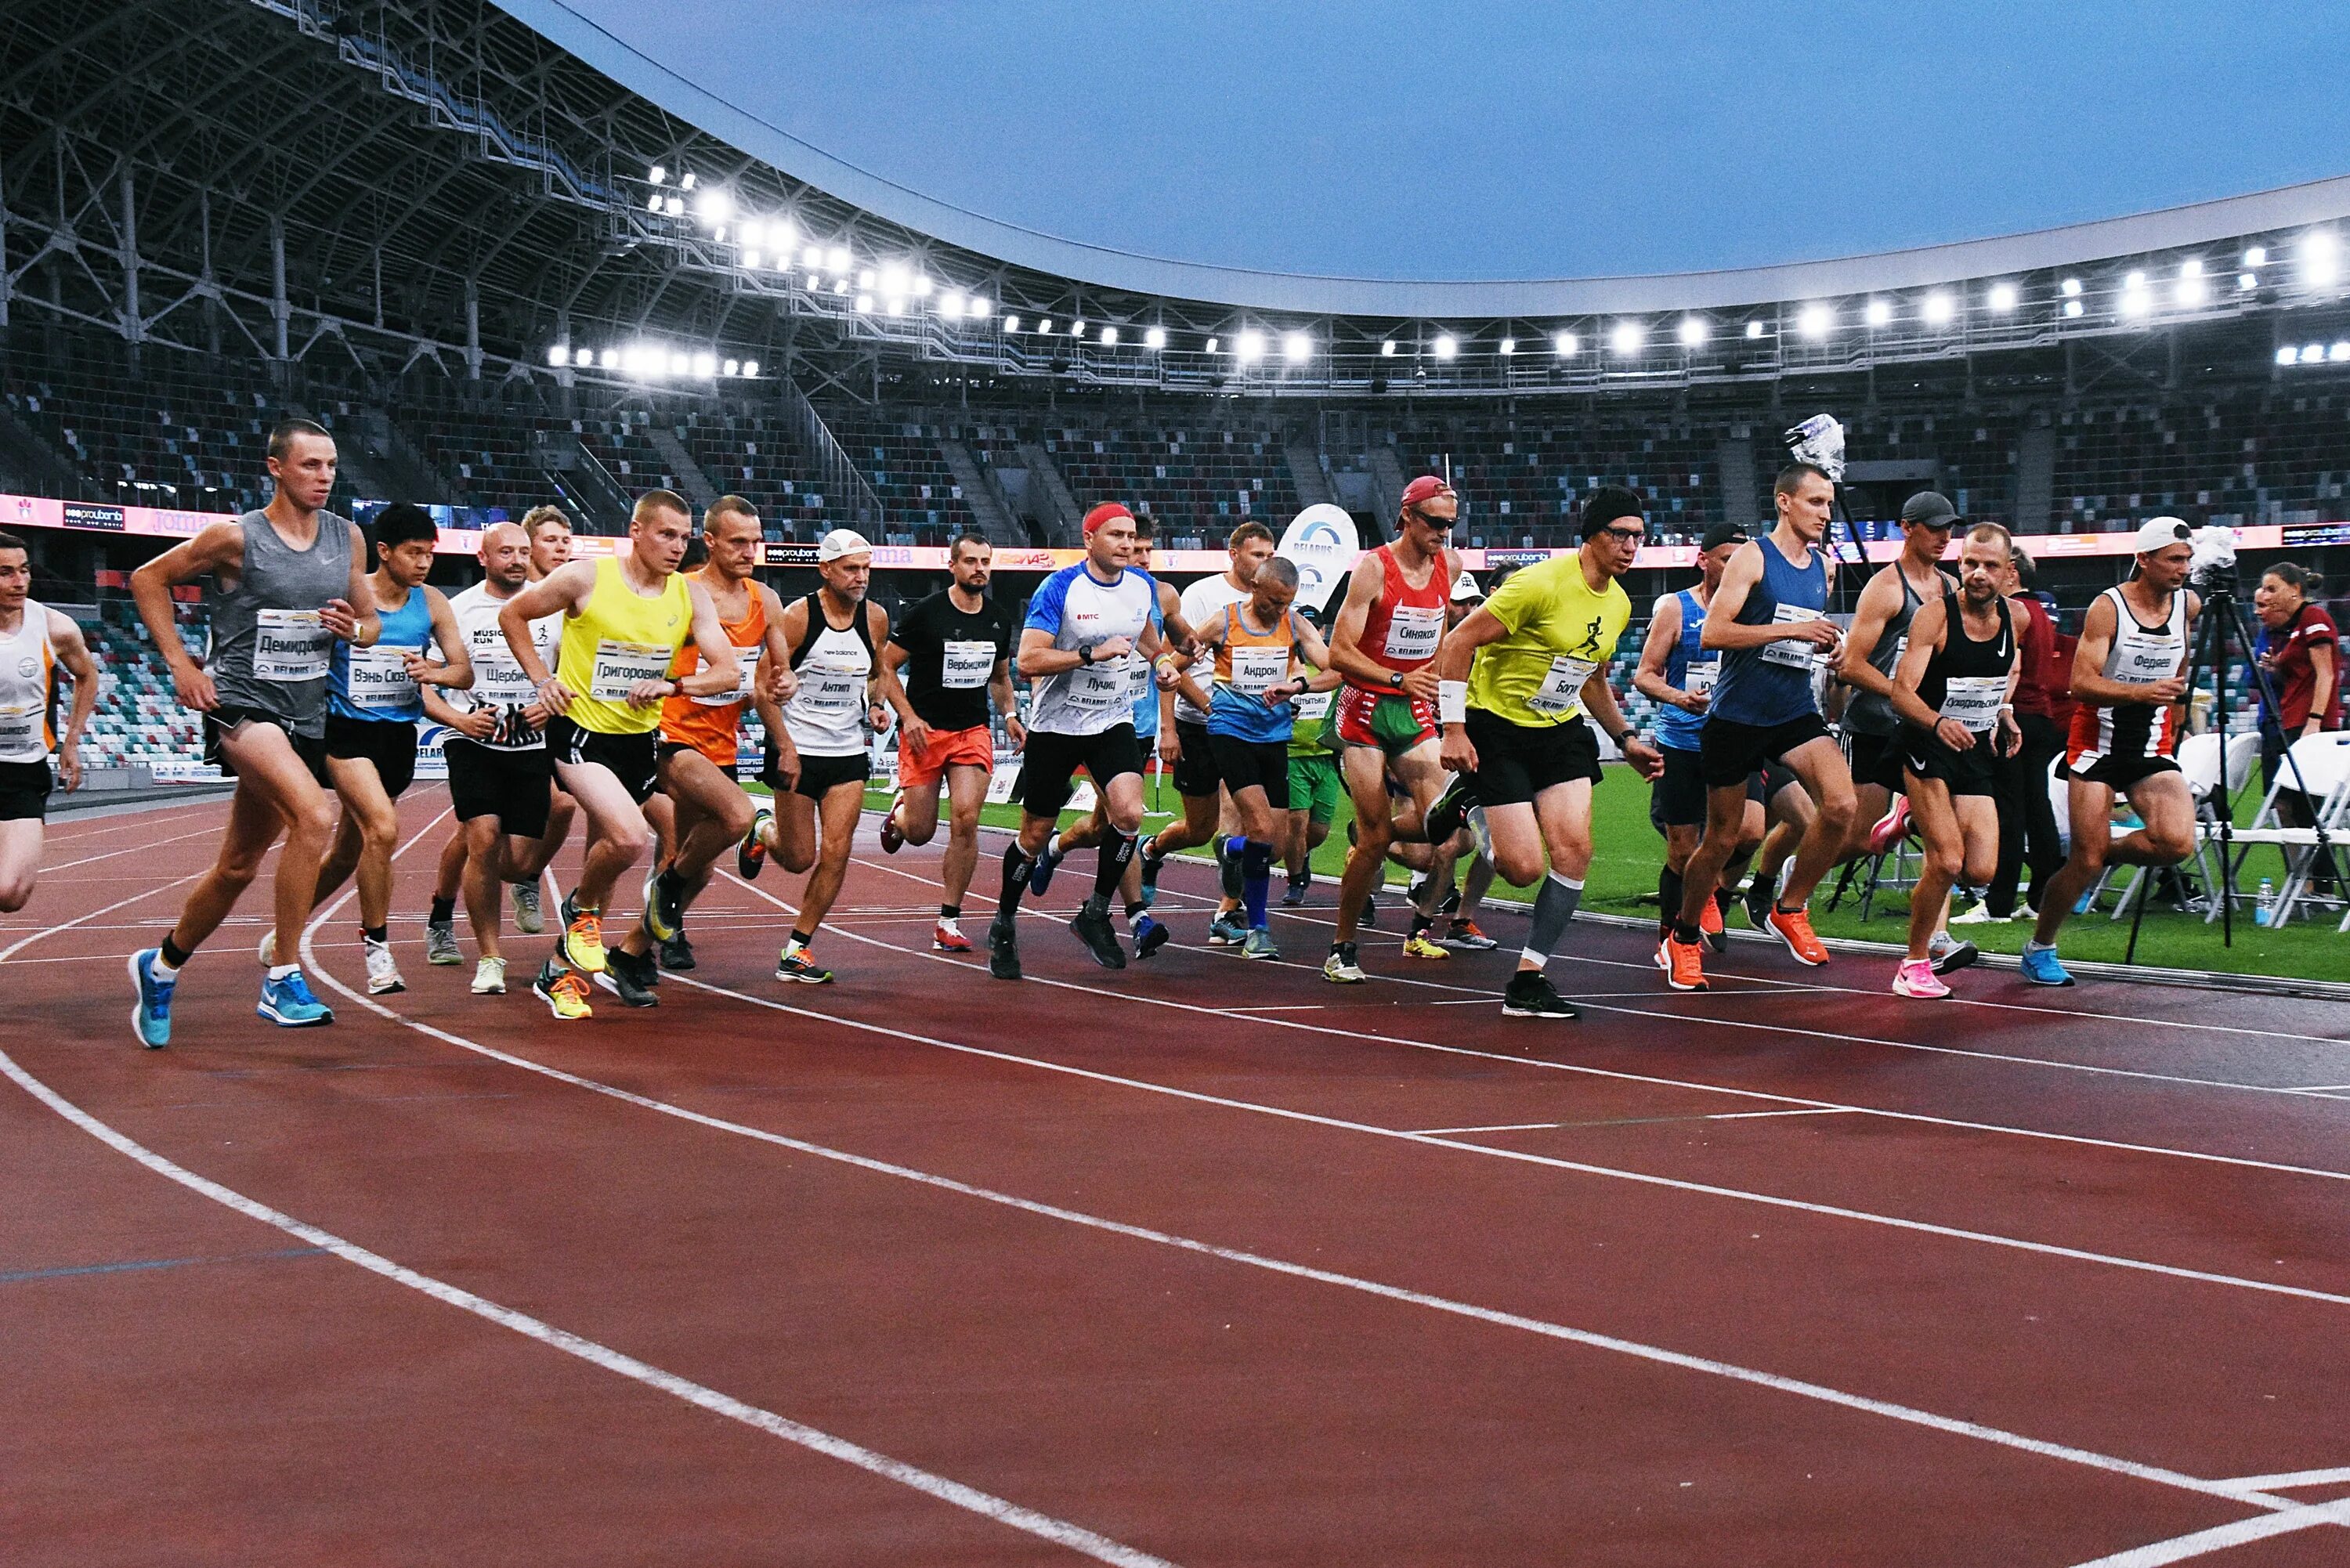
(1087, 648)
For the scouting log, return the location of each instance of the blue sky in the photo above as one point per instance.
(1481, 139)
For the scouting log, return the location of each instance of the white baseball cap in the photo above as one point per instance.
(2161, 533)
(842, 542)
(1464, 586)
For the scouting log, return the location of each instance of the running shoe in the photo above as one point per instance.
(1793, 926)
(1418, 946)
(1480, 834)
(150, 1018)
(490, 976)
(441, 944)
(1040, 871)
(1294, 896)
(2041, 968)
(565, 993)
(664, 909)
(1916, 978)
(751, 855)
(1891, 827)
(529, 918)
(268, 950)
(676, 955)
(1981, 915)
(1466, 936)
(1530, 994)
(1949, 956)
(1150, 936)
(1002, 950)
(287, 1002)
(1370, 916)
(1093, 928)
(383, 973)
(1260, 945)
(1230, 872)
(1760, 891)
(1710, 926)
(630, 977)
(1344, 966)
(1450, 811)
(1152, 865)
(582, 943)
(2087, 901)
(893, 839)
(1683, 963)
(1227, 930)
(793, 963)
(1450, 904)
(946, 937)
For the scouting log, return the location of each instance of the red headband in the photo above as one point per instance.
(1103, 514)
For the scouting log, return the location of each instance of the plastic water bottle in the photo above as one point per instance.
(2264, 906)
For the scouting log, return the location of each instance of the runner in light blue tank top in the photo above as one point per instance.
(1677, 727)
(386, 692)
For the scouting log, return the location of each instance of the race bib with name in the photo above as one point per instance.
(2144, 658)
(498, 679)
(621, 667)
(1257, 670)
(1313, 705)
(1972, 702)
(377, 680)
(1561, 691)
(1697, 679)
(1790, 655)
(967, 666)
(1108, 683)
(290, 645)
(1413, 632)
(831, 690)
(20, 729)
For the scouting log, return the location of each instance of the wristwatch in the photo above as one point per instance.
(1085, 654)
(1394, 678)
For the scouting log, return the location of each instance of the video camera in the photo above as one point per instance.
(2211, 564)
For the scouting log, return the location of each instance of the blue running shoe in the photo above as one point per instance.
(1227, 930)
(1295, 895)
(152, 1019)
(1152, 865)
(1040, 875)
(2041, 968)
(288, 1004)
(1150, 936)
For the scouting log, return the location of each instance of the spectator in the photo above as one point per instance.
(2300, 649)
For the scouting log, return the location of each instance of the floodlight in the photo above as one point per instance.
(840, 285)
(2072, 288)
(2321, 258)
(732, 367)
(978, 308)
(2192, 290)
(750, 258)
(812, 258)
(749, 366)
(1937, 309)
(1877, 312)
(679, 364)
(1213, 343)
(674, 206)
(782, 236)
(2002, 297)
(1691, 331)
(2312, 353)
(2257, 255)
(1813, 321)
(658, 174)
(1509, 345)
(864, 305)
(720, 235)
(1447, 345)
(608, 359)
(1296, 348)
(865, 278)
(685, 183)
(951, 306)
(894, 307)
(894, 278)
(2246, 282)
(1109, 337)
(2287, 355)
(1250, 346)
(1753, 331)
(1046, 327)
(1155, 338)
(1012, 324)
(922, 285)
(705, 364)
(2340, 351)
(836, 259)
(1563, 343)
(2071, 309)
(1077, 327)
(558, 356)
(1626, 336)
(714, 205)
(1386, 347)
(582, 357)
(654, 202)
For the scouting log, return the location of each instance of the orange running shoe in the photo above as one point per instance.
(1795, 929)
(1683, 963)
(1709, 920)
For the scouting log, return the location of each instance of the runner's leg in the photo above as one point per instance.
(2092, 807)
(1944, 859)
(917, 811)
(618, 833)
(484, 844)
(843, 804)
(20, 861)
(1829, 784)
(966, 791)
(1365, 772)
(370, 817)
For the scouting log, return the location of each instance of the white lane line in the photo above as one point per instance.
(1751, 1116)
(2219, 1538)
(1630, 1121)
(2291, 1481)
(1542, 1064)
(1506, 1126)
(1655, 1354)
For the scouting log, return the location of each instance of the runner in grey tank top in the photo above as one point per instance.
(1868, 713)
(270, 652)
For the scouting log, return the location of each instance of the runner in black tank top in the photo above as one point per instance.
(1951, 690)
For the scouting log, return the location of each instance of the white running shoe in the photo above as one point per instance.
(383, 974)
(490, 977)
(529, 918)
(268, 949)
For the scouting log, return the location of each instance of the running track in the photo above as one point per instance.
(1203, 1262)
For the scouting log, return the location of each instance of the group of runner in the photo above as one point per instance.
(612, 690)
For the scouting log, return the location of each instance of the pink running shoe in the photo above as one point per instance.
(1916, 978)
(1890, 828)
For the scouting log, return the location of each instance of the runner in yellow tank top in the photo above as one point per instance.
(624, 620)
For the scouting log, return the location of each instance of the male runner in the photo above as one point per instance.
(1385, 636)
(1079, 650)
(1195, 773)
(547, 534)
(624, 618)
(1769, 619)
(286, 580)
(699, 744)
(1313, 786)
(951, 657)
(501, 782)
(374, 698)
(2129, 675)
(1515, 680)
(1955, 692)
(34, 640)
(819, 763)
(1258, 643)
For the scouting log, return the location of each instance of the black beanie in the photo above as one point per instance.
(1608, 503)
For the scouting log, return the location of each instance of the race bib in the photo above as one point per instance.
(378, 679)
(1413, 632)
(1972, 700)
(1257, 670)
(726, 699)
(1790, 655)
(1313, 705)
(968, 666)
(2144, 658)
(290, 645)
(20, 729)
(498, 681)
(621, 667)
(1108, 683)
(830, 691)
(1561, 691)
(1697, 679)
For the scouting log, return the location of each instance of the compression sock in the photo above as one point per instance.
(1554, 908)
(1109, 864)
(1669, 895)
(1256, 880)
(1016, 864)
(444, 910)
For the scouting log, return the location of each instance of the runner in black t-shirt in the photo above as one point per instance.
(945, 665)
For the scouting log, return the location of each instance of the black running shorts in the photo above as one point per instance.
(222, 721)
(1195, 772)
(1876, 759)
(1964, 772)
(389, 744)
(633, 759)
(1732, 750)
(1050, 766)
(513, 786)
(1516, 762)
(25, 791)
(1262, 763)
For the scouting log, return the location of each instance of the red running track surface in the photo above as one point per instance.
(1206, 1261)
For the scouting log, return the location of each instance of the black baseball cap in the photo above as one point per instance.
(1722, 534)
(1930, 507)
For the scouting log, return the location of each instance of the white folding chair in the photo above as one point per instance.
(2317, 766)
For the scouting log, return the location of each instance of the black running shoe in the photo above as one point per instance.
(1450, 810)
(1759, 890)
(629, 976)
(677, 954)
(1295, 895)
(1150, 936)
(664, 907)
(1955, 957)
(1719, 940)
(1002, 950)
(1093, 928)
(1530, 994)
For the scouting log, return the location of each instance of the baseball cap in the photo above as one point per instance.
(1464, 587)
(1722, 534)
(1930, 507)
(842, 542)
(1103, 513)
(2160, 534)
(1427, 487)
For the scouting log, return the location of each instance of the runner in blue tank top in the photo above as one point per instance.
(1768, 620)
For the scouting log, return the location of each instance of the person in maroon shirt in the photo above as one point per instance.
(2028, 835)
(2301, 649)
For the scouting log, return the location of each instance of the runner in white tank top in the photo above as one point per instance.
(34, 640)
